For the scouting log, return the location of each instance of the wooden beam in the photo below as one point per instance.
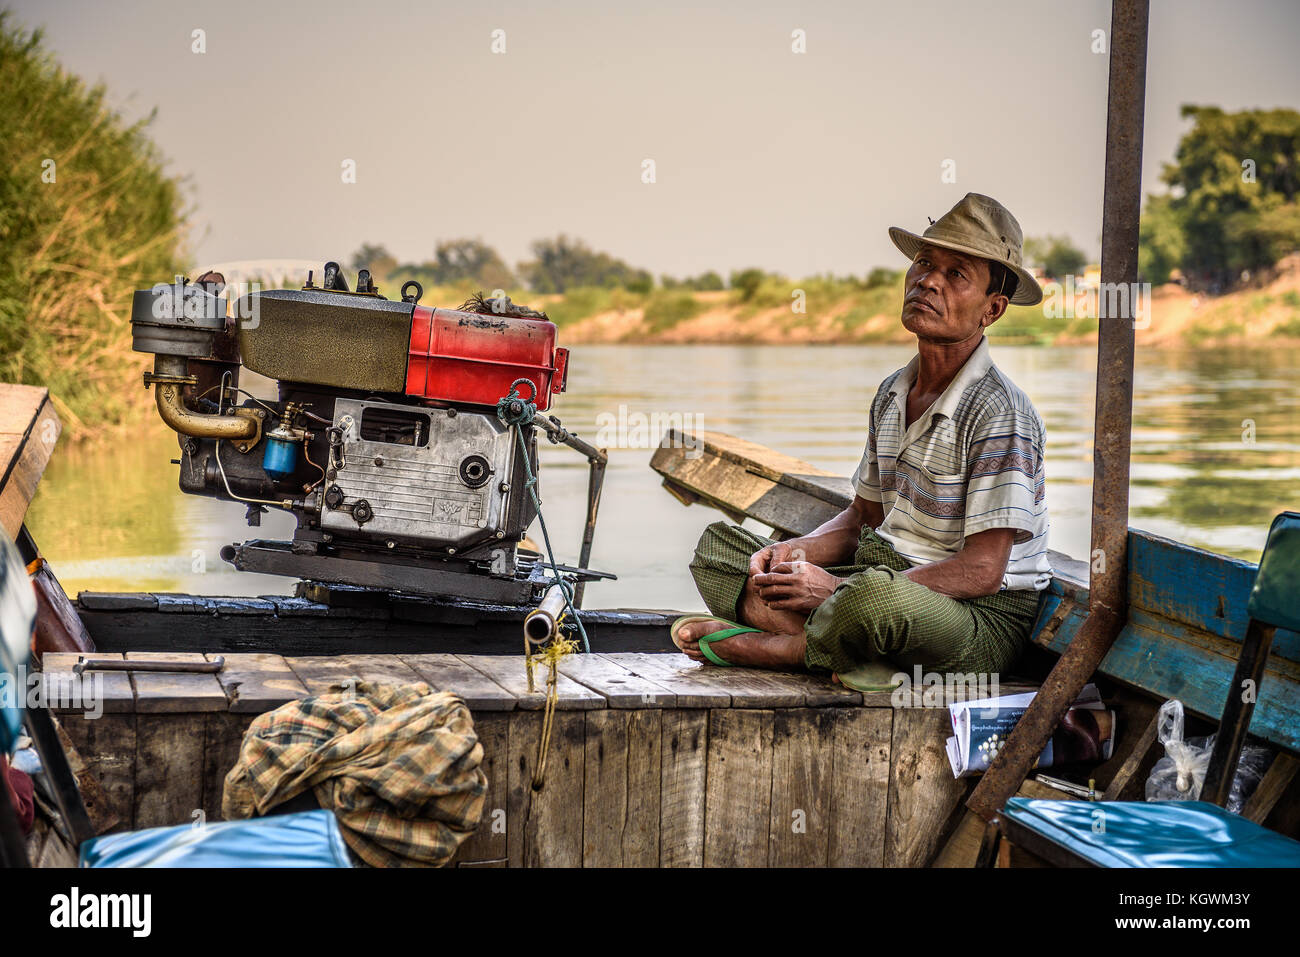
(1276, 780)
(29, 429)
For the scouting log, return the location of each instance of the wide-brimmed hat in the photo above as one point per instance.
(978, 226)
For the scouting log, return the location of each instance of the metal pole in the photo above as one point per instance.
(1108, 582)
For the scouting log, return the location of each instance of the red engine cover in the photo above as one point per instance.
(466, 357)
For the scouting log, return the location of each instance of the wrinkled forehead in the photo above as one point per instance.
(950, 257)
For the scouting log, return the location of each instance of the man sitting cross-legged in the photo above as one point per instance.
(939, 559)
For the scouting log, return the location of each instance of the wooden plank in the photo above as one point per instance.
(962, 847)
(761, 688)
(488, 842)
(922, 791)
(322, 673)
(684, 763)
(1127, 782)
(738, 791)
(693, 685)
(620, 821)
(1276, 780)
(800, 830)
(99, 808)
(818, 691)
(224, 737)
(255, 683)
(861, 742)
(162, 692)
(448, 673)
(508, 671)
(1206, 591)
(18, 407)
(107, 748)
(169, 768)
(544, 827)
(616, 684)
(64, 692)
(31, 428)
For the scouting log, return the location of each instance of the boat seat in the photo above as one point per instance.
(305, 839)
(1181, 833)
(1145, 834)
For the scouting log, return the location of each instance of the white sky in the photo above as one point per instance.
(795, 163)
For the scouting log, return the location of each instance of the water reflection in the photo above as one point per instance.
(1216, 453)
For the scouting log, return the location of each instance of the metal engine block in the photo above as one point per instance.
(385, 441)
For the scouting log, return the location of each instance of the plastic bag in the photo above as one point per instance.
(1180, 774)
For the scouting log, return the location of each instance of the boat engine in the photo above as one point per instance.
(403, 437)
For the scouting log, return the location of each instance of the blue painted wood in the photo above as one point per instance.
(1176, 644)
(1196, 587)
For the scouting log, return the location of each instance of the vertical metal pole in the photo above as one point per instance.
(1108, 583)
(595, 482)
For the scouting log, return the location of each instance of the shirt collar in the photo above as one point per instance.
(974, 368)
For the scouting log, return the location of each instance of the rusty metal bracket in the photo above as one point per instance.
(1112, 437)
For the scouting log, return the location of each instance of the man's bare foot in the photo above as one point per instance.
(759, 649)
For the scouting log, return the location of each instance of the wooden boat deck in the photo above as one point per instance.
(655, 760)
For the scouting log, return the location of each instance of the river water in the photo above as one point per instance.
(1216, 454)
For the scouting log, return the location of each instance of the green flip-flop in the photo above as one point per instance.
(707, 640)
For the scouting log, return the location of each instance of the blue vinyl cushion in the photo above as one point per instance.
(306, 839)
(1154, 833)
(1273, 596)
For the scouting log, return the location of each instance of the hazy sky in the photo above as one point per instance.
(795, 163)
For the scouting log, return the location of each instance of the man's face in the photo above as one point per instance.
(945, 298)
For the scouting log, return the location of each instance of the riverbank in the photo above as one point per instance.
(838, 312)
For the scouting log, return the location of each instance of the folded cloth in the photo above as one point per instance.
(398, 764)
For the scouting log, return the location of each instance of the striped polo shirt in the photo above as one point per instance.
(971, 462)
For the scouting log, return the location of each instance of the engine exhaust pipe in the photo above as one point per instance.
(541, 624)
(169, 373)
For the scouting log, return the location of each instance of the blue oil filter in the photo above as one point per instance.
(280, 458)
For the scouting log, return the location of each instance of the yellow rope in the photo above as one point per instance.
(551, 654)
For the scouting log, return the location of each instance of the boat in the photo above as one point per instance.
(657, 760)
(653, 760)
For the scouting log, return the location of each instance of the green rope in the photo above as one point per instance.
(514, 410)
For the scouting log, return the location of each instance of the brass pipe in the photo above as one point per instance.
(168, 381)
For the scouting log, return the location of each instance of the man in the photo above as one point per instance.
(939, 559)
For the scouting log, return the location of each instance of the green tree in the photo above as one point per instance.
(457, 260)
(1233, 185)
(707, 282)
(562, 263)
(747, 281)
(882, 276)
(1057, 255)
(377, 259)
(1161, 246)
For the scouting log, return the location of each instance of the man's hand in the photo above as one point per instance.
(761, 562)
(794, 585)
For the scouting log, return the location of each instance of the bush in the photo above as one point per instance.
(747, 281)
(76, 238)
(666, 309)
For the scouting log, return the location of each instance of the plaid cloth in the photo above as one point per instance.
(878, 612)
(398, 765)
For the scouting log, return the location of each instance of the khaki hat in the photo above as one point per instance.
(978, 226)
